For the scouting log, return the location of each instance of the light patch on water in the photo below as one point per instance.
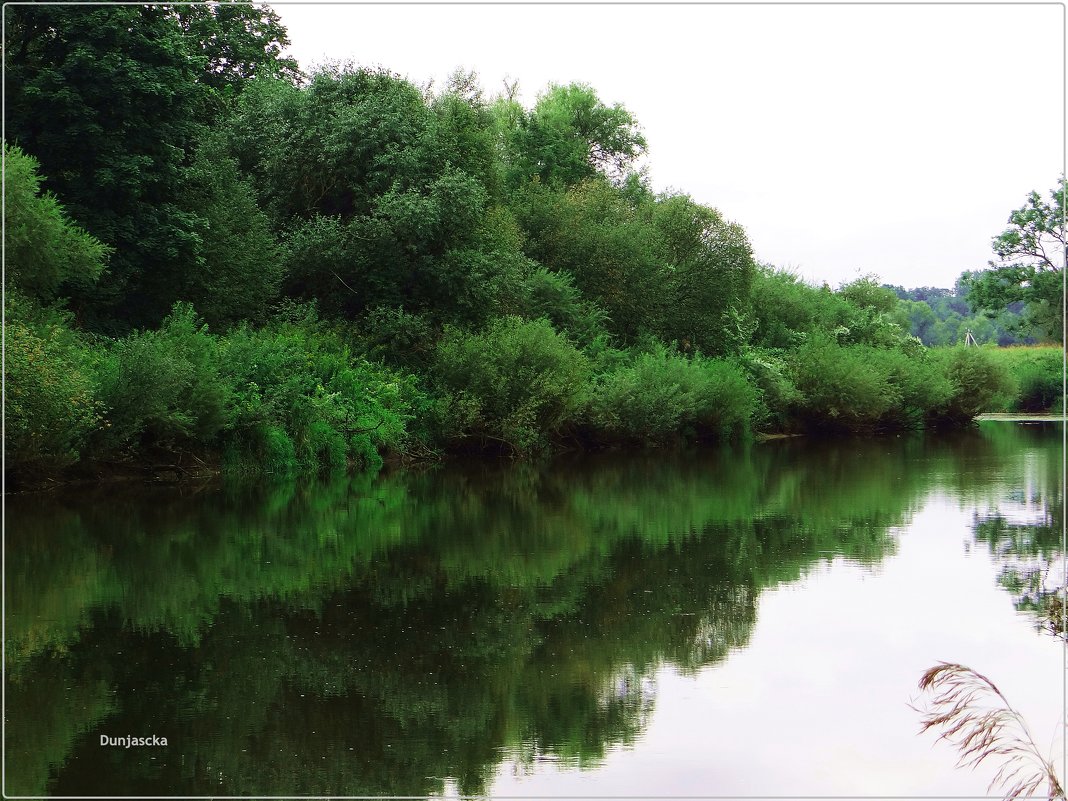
(817, 702)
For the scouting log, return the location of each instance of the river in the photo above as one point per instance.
(751, 621)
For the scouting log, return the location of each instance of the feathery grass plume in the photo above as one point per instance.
(981, 723)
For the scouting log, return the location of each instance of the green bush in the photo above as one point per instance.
(979, 383)
(768, 372)
(919, 386)
(398, 337)
(299, 376)
(165, 387)
(261, 448)
(371, 405)
(867, 387)
(519, 381)
(839, 387)
(788, 311)
(50, 405)
(663, 396)
(321, 446)
(604, 357)
(1040, 386)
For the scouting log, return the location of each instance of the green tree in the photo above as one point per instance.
(50, 394)
(554, 296)
(105, 97)
(1029, 267)
(921, 319)
(462, 131)
(43, 248)
(383, 197)
(610, 247)
(236, 42)
(870, 315)
(708, 265)
(332, 147)
(113, 101)
(413, 251)
(788, 312)
(571, 136)
(786, 308)
(240, 269)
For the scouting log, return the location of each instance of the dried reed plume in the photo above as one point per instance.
(979, 721)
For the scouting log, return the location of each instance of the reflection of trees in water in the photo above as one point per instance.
(1022, 526)
(47, 712)
(1030, 557)
(373, 638)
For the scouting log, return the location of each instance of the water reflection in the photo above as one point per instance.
(1024, 528)
(393, 636)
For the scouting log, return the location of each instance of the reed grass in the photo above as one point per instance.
(976, 717)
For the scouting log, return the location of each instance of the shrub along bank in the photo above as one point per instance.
(299, 394)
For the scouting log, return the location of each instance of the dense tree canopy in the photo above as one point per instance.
(212, 252)
(106, 99)
(943, 316)
(236, 42)
(708, 268)
(112, 101)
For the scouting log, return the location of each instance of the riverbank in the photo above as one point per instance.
(189, 469)
(303, 394)
(1018, 417)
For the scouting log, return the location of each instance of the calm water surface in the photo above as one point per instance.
(747, 622)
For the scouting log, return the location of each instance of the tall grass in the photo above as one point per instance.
(977, 718)
(1036, 371)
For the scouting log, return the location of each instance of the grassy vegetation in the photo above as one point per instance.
(1036, 372)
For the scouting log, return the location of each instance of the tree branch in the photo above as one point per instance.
(342, 280)
(372, 428)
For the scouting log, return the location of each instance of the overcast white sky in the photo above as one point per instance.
(845, 139)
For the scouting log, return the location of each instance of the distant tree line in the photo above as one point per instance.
(938, 316)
